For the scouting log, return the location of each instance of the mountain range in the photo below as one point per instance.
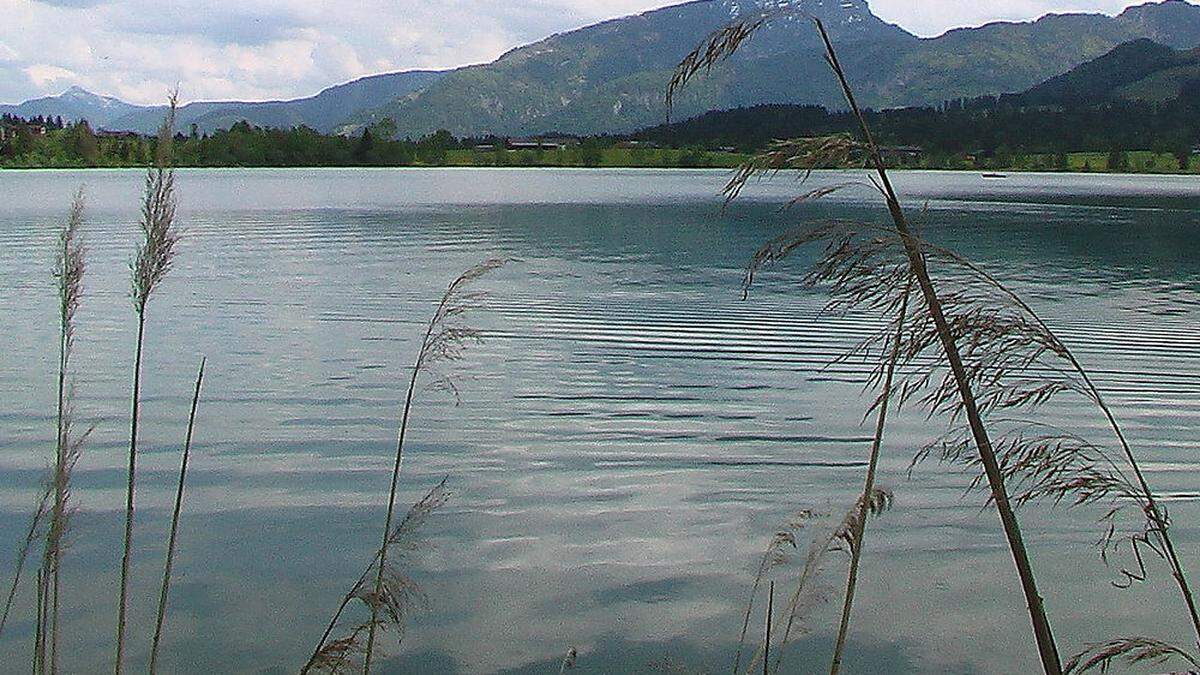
(611, 77)
(323, 112)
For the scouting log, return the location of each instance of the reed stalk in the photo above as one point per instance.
(398, 595)
(1043, 634)
(864, 502)
(150, 265)
(39, 633)
(442, 341)
(767, 631)
(171, 539)
(70, 267)
(1157, 515)
(387, 523)
(724, 43)
(386, 591)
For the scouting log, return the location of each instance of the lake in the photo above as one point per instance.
(631, 430)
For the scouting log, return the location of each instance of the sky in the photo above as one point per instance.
(137, 50)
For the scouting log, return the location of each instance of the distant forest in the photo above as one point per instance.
(986, 126)
(990, 132)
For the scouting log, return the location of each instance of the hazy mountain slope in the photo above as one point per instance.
(611, 77)
(1175, 23)
(74, 104)
(321, 112)
(1167, 84)
(1005, 56)
(1100, 80)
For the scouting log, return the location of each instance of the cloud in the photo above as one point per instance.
(45, 75)
(257, 49)
(72, 3)
(8, 54)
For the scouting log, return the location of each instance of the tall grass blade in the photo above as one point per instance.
(776, 554)
(167, 567)
(31, 537)
(39, 634)
(960, 382)
(1043, 635)
(767, 632)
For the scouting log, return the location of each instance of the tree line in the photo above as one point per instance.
(985, 132)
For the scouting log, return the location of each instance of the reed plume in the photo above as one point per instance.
(843, 536)
(169, 564)
(1003, 362)
(958, 393)
(568, 662)
(776, 554)
(1133, 651)
(446, 339)
(69, 271)
(150, 265)
(395, 598)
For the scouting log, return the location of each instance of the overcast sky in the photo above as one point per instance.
(258, 49)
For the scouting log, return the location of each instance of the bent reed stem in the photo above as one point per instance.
(1047, 649)
(391, 510)
(1152, 508)
(171, 539)
(864, 507)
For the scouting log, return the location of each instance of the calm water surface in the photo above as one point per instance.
(631, 431)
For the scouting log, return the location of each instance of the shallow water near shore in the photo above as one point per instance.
(631, 430)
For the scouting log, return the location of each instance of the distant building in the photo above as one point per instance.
(541, 143)
(633, 145)
(126, 135)
(901, 152)
(10, 131)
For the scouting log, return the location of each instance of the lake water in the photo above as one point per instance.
(631, 430)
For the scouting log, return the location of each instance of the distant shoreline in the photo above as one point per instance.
(984, 173)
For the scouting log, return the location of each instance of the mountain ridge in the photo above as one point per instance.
(610, 77)
(322, 111)
(527, 91)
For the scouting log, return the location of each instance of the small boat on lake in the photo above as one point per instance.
(995, 175)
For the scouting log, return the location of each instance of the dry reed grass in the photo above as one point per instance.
(845, 256)
(150, 265)
(394, 599)
(973, 354)
(70, 268)
(390, 593)
(446, 340)
(569, 661)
